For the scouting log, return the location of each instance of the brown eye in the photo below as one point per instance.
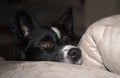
(46, 45)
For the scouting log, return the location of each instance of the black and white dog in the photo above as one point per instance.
(35, 42)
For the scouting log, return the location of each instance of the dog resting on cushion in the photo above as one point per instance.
(35, 42)
(100, 46)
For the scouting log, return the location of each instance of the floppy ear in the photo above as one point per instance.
(24, 23)
(65, 22)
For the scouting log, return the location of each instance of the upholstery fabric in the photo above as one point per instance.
(100, 44)
(50, 70)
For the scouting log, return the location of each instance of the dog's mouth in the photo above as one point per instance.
(68, 54)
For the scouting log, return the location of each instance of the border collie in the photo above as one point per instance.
(35, 42)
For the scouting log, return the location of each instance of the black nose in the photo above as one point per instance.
(74, 54)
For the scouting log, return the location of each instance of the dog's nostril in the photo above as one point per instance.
(74, 54)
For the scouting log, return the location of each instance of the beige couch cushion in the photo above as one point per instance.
(101, 44)
(50, 70)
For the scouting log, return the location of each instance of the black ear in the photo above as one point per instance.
(23, 23)
(65, 22)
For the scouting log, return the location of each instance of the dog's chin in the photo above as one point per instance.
(79, 62)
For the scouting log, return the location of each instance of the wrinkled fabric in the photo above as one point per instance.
(100, 44)
(50, 70)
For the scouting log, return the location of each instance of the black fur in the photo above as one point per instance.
(32, 41)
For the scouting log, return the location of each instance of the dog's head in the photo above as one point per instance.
(45, 43)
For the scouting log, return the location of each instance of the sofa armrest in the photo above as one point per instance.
(100, 44)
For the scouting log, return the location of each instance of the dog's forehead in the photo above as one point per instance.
(57, 31)
(48, 32)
